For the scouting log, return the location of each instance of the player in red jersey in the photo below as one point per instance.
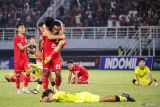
(21, 62)
(39, 52)
(57, 30)
(51, 41)
(12, 78)
(81, 74)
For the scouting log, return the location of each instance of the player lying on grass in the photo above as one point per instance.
(35, 73)
(81, 74)
(82, 97)
(143, 76)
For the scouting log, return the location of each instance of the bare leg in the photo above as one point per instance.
(79, 82)
(58, 79)
(107, 99)
(8, 78)
(52, 81)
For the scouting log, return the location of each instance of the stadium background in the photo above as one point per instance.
(95, 29)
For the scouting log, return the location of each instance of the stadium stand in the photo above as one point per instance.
(83, 13)
(27, 11)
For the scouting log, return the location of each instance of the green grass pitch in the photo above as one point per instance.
(101, 82)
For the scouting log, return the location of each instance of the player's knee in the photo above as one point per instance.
(18, 75)
(8, 78)
(58, 74)
(47, 73)
(27, 72)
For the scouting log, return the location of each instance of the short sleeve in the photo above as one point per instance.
(17, 40)
(147, 70)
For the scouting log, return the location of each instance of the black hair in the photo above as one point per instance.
(49, 22)
(40, 24)
(47, 92)
(57, 23)
(142, 59)
(19, 24)
(70, 61)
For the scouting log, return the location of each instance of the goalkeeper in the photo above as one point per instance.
(82, 97)
(143, 76)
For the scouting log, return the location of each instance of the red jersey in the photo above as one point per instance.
(82, 71)
(19, 55)
(48, 46)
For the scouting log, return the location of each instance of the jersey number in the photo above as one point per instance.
(53, 45)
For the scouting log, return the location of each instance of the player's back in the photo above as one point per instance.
(75, 97)
(81, 69)
(66, 97)
(19, 54)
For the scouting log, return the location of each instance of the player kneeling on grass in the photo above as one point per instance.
(82, 97)
(81, 74)
(143, 75)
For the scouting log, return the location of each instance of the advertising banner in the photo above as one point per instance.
(90, 62)
(122, 62)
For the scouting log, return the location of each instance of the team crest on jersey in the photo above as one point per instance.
(53, 45)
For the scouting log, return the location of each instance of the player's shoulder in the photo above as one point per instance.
(136, 68)
(16, 37)
(146, 67)
(76, 65)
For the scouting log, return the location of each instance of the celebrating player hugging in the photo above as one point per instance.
(53, 34)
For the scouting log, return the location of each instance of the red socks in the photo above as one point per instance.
(58, 81)
(17, 82)
(26, 80)
(45, 82)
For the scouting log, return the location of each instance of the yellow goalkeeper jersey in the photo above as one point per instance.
(36, 70)
(142, 72)
(75, 97)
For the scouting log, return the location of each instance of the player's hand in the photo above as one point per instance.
(39, 54)
(47, 59)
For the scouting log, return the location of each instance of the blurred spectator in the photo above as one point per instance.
(120, 51)
(27, 11)
(83, 13)
(114, 12)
